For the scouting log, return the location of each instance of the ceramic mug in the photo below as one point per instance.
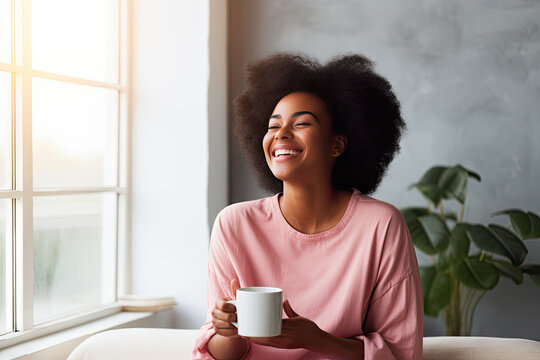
(258, 311)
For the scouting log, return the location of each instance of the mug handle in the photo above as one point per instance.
(234, 303)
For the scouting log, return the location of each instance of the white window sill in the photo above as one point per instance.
(59, 344)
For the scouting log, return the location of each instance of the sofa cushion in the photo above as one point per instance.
(169, 344)
(469, 347)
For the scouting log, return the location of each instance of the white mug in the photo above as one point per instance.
(258, 311)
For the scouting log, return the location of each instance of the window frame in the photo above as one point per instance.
(19, 236)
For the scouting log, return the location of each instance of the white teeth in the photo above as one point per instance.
(286, 152)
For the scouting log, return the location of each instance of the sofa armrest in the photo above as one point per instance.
(137, 344)
(469, 348)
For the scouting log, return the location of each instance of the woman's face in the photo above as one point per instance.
(299, 145)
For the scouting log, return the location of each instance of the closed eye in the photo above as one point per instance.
(272, 127)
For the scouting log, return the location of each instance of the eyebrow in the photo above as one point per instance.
(298, 113)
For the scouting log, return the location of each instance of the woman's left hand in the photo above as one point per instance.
(296, 332)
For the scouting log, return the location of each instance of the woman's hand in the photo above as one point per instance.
(223, 313)
(226, 344)
(296, 332)
(299, 332)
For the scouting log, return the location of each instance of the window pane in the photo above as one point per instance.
(76, 37)
(5, 313)
(74, 135)
(74, 253)
(5, 31)
(5, 130)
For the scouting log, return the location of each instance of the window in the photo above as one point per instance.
(63, 160)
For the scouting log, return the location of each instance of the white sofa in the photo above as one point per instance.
(169, 344)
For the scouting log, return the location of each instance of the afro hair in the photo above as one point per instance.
(361, 104)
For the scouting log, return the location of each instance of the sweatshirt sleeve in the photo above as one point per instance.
(219, 276)
(393, 327)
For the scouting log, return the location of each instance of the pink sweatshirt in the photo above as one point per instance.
(357, 280)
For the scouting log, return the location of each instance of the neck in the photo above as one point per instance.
(313, 208)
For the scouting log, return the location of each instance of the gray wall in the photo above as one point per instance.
(468, 77)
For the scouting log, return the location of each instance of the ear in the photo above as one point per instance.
(339, 145)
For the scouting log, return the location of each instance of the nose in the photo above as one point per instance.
(284, 133)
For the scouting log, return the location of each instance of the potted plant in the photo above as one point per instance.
(459, 276)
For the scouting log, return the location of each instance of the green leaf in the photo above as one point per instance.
(435, 230)
(439, 294)
(519, 220)
(525, 223)
(436, 289)
(534, 273)
(498, 240)
(413, 212)
(535, 226)
(471, 173)
(445, 182)
(427, 275)
(513, 244)
(418, 235)
(458, 246)
(453, 183)
(429, 184)
(508, 270)
(477, 274)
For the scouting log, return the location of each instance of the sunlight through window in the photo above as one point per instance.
(63, 108)
(76, 38)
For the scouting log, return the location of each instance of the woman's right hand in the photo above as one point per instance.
(223, 313)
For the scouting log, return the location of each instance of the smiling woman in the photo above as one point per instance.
(352, 93)
(302, 137)
(320, 138)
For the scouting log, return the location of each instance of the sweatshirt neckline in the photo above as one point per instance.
(327, 234)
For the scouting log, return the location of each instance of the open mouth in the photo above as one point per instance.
(283, 153)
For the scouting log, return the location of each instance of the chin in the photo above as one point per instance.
(281, 175)
(285, 177)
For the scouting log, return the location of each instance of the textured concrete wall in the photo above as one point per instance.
(468, 77)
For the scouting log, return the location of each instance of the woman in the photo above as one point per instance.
(321, 139)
